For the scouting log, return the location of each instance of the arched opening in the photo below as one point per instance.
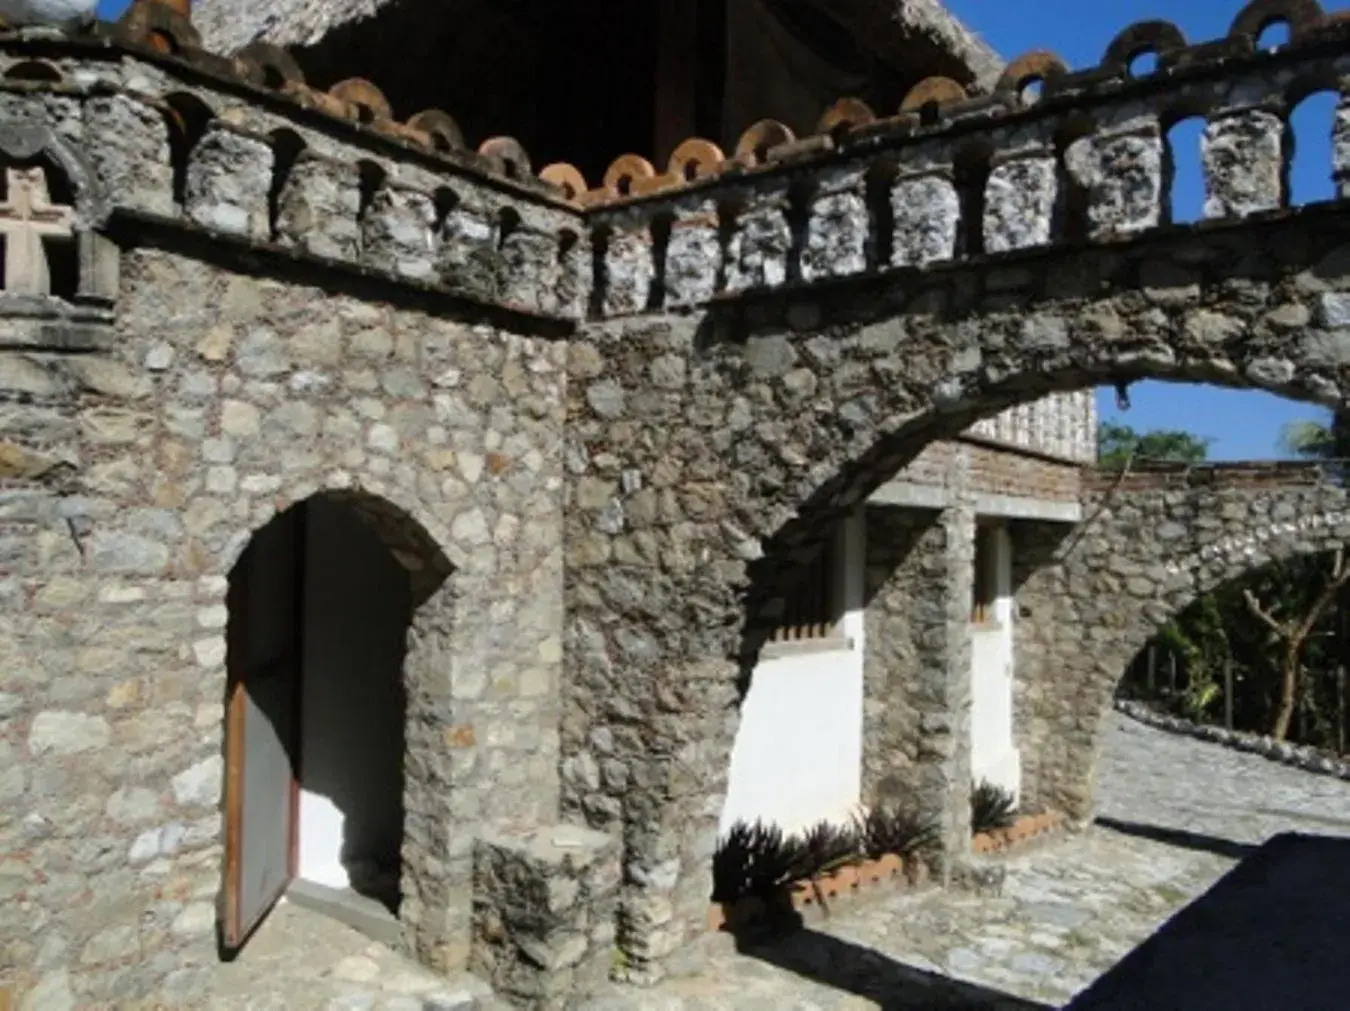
(987, 589)
(372, 177)
(1274, 35)
(971, 177)
(1143, 64)
(320, 605)
(1183, 172)
(287, 147)
(188, 117)
(1308, 149)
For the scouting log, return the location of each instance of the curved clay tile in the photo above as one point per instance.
(509, 154)
(565, 177)
(1159, 37)
(754, 145)
(1038, 65)
(695, 158)
(158, 26)
(624, 172)
(270, 66)
(1301, 16)
(933, 91)
(846, 114)
(368, 100)
(440, 127)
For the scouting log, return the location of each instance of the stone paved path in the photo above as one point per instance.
(1179, 811)
(300, 960)
(1185, 811)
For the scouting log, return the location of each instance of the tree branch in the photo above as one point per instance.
(1254, 606)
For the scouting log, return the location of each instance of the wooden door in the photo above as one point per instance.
(262, 725)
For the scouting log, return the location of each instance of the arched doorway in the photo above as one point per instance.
(321, 603)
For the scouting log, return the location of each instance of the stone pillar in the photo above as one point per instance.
(916, 746)
(544, 913)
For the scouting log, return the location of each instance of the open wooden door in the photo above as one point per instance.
(262, 740)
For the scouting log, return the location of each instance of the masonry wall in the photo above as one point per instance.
(135, 474)
(995, 470)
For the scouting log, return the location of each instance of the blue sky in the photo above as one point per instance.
(1242, 423)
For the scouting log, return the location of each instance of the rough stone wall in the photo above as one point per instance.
(995, 470)
(1140, 556)
(916, 673)
(219, 400)
(703, 470)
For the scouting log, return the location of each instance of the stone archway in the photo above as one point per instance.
(338, 612)
(1153, 543)
(775, 418)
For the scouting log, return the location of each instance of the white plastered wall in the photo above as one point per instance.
(994, 757)
(798, 752)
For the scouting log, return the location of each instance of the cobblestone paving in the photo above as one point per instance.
(1069, 911)
(1186, 810)
(300, 960)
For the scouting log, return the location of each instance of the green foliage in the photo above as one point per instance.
(893, 828)
(827, 847)
(1117, 443)
(761, 860)
(1309, 439)
(991, 807)
(755, 859)
(1219, 628)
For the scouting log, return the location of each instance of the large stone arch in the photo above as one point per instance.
(733, 441)
(1150, 545)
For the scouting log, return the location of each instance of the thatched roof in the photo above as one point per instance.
(896, 30)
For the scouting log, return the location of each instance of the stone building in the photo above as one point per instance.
(382, 514)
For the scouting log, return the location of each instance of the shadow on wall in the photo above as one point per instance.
(1271, 933)
(871, 975)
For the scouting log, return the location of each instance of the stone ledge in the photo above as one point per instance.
(1299, 756)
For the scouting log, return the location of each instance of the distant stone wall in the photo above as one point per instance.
(1298, 756)
(135, 474)
(1090, 598)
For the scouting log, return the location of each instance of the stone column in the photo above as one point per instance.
(916, 746)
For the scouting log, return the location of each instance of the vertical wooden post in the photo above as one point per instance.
(1152, 669)
(1172, 671)
(1228, 692)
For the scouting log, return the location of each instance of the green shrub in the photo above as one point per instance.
(893, 828)
(991, 807)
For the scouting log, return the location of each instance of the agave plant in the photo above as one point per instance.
(826, 846)
(991, 807)
(893, 828)
(754, 860)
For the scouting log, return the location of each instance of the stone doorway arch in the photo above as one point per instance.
(338, 611)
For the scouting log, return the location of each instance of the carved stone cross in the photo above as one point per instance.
(26, 218)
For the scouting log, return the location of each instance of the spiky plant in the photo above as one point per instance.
(825, 847)
(754, 859)
(894, 828)
(991, 807)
